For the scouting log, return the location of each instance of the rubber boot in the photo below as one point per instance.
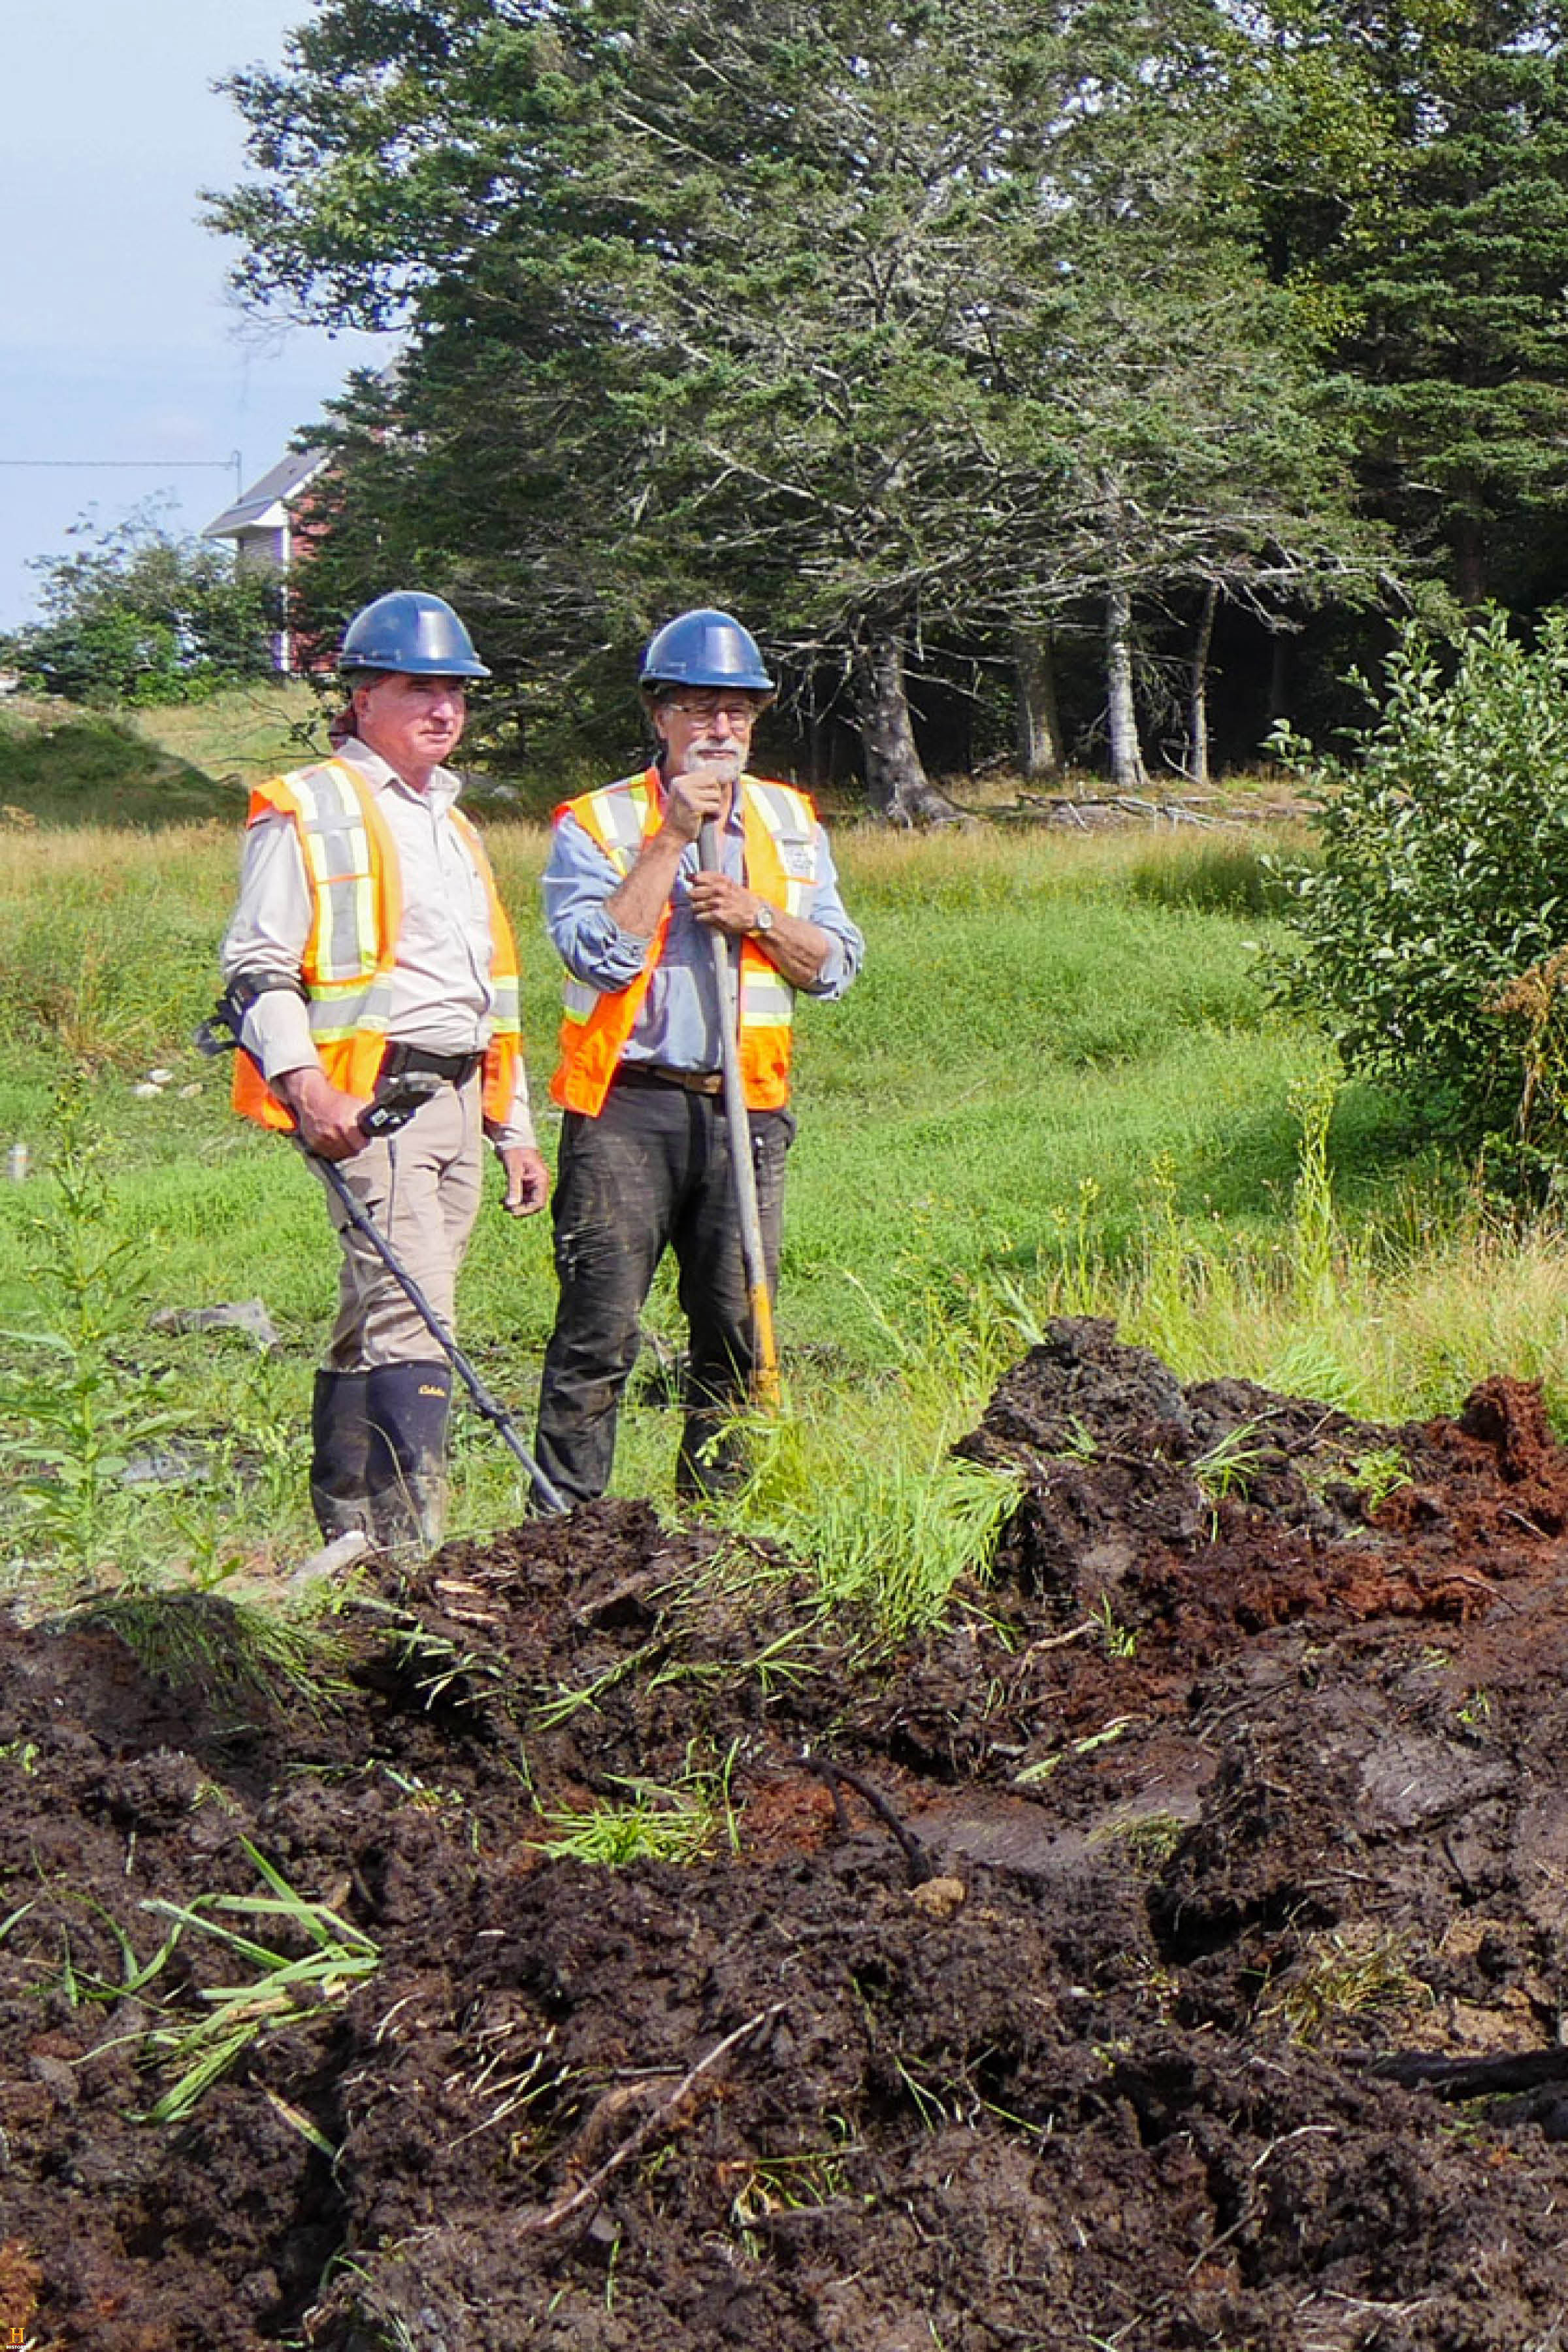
(340, 1453)
(712, 1460)
(407, 1408)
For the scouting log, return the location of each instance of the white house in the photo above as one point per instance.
(268, 523)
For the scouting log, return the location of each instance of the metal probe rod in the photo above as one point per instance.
(494, 1413)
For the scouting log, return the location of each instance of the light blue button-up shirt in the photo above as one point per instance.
(677, 1022)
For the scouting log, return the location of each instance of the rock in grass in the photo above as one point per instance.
(247, 1315)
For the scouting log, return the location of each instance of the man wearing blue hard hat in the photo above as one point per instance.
(633, 906)
(368, 949)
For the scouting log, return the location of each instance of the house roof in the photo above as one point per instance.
(266, 504)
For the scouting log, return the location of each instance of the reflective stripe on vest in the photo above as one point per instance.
(504, 1051)
(348, 961)
(779, 832)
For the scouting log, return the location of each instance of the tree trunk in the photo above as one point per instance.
(1198, 723)
(1470, 540)
(1278, 676)
(1037, 720)
(898, 783)
(1127, 768)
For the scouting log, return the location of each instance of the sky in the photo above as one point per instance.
(119, 339)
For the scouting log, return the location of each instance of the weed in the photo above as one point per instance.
(1078, 1445)
(1120, 1641)
(1081, 1274)
(1230, 1465)
(1474, 1714)
(680, 1824)
(1376, 1475)
(1148, 1840)
(934, 2114)
(82, 1417)
(556, 1711)
(1352, 1972)
(230, 1648)
(1033, 1774)
(439, 1667)
(284, 1992)
(655, 1825)
(953, 1181)
(783, 2184)
(1314, 1236)
(884, 1536)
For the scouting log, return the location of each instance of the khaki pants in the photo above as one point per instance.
(422, 1188)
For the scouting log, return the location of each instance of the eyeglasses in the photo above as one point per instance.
(739, 714)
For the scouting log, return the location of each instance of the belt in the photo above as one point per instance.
(401, 1061)
(660, 1074)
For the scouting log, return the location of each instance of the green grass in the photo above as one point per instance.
(61, 765)
(1057, 1087)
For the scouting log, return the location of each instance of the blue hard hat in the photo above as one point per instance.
(418, 635)
(705, 648)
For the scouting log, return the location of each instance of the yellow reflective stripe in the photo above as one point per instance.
(766, 999)
(339, 858)
(788, 820)
(618, 813)
(578, 1000)
(505, 1011)
(335, 991)
(337, 1013)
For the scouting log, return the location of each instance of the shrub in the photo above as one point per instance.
(1443, 880)
(144, 616)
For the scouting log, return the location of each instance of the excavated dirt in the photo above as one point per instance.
(1169, 1952)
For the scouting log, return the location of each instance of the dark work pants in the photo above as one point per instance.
(651, 1173)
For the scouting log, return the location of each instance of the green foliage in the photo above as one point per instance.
(1443, 879)
(1411, 164)
(1120, 1641)
(1226, 1472)
(1344, 1980)
(883, 1537)
(1376, 1474)
(1053, 1098)
(233, 1651)
(142, 616)
(108, 1500)
(934, 323)
(112, 966)
(283, 1991)
(1147, 1840)
(652, 1824)
(74, 1417)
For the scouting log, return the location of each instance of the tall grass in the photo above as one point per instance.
(1396, 1318)
(859, 1479)
(107, 939)
(1056, 1088)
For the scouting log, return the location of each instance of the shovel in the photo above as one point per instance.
(765, 1374)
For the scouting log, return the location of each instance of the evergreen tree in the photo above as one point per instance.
(1436, 249)
(883, 330)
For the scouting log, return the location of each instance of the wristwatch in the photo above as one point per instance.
(764, 918)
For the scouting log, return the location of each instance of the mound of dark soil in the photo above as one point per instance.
(1166, 1953)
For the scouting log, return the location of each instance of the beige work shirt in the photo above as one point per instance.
(442, 1000)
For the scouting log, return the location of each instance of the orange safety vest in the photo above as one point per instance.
(781, 834)
(350, 864)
